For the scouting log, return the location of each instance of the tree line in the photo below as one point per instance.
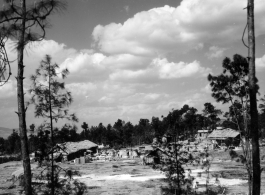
(19, 19)
(125, 134)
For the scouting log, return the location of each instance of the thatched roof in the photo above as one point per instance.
(72, 147)
(223, 134)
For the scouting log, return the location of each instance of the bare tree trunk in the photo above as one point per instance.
(21, 107)
(253, 102)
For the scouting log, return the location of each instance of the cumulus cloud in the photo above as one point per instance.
(106, 100)
(186, 27)
(49, 47)
(119, 89)
(136, 67)
(144, 98)
(162, 69)
(260, 62)
(8, 89)
(215, 52)
(125, 61)
(207, 89)
(82, 89)
(83, 61)
(171, 70)
(128, 75)
(176, 101)
(136, 110)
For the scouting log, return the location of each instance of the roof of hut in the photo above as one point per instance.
(223, 134)
(72, 147)
(204, 131)
(148, 147)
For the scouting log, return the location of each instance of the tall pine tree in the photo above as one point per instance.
(18, 18)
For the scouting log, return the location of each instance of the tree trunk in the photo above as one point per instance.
(253, 102)
(250, 183)
(52, 140)
(21, 107)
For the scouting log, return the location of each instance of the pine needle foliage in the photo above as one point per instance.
(51, 100)
(24, 22)
(232, 86)
(49, 94)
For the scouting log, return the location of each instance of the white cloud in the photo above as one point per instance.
(171, 70)
(8, 89)
(106, 100)
(176, 101)
(215, 52)
(189, 26)
(82, 89)
(118, 89)
(49, 47)
(199, 46)
(260, 62)
(143, 98)
(162, 69)
(83, 61)
(125, 61)
(128, 75)
(138, 110)
(207, 89)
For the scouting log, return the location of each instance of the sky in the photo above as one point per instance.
(133, 59)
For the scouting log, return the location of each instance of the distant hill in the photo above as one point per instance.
(5, 132)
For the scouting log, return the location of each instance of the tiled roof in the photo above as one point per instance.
(223, 134)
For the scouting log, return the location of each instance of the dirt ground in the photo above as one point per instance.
(130, 177)
(102, 178)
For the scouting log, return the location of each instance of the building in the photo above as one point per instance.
(202, 134)
(225, 136)
(72, 150)
(144, 149)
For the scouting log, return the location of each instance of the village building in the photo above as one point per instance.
(202, 134)
(72, 150)
(226, 136)
(144, 149)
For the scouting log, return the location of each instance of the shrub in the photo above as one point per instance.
(233, 154)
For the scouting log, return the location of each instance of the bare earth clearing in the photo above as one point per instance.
(126, 176)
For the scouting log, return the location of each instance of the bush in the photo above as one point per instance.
(233, 154)
(4, 159)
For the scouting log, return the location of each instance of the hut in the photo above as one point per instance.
(202, 134)
(225, 136)
(145, 149)
(152, 157)
(72, 150)
(123, 154)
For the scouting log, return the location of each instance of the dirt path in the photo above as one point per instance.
(121, 177)
(130, 177)
(113, 178)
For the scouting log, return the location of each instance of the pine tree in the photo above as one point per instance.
(232, 87)
(17, 19)
(51, 99)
